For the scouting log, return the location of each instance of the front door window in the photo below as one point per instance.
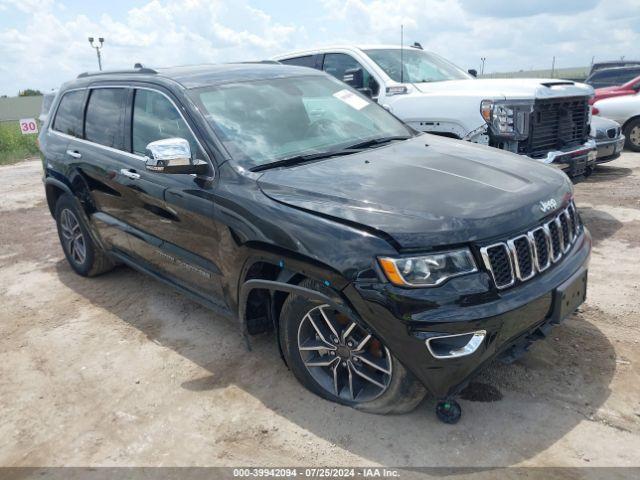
(337, 64)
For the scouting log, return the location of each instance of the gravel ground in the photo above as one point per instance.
(120, 370)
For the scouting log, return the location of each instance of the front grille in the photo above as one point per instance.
(564, 226)
(500, 262)
(541, 243)
(522, 257)
(556, 247)
(573, 219)
(557, 124)
(521, 250)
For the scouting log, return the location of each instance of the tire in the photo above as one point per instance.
(632, 134)
(344, 381)
(84, 256)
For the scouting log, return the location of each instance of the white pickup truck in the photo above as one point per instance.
(547, 120)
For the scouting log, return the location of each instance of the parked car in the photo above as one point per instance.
(612, 77)
(524, 116)
(626, 111)
(630, 88)
(612, 64)
(389, 263)
(609, 138)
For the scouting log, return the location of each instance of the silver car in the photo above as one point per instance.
(609, 138)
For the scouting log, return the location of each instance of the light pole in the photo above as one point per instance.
(483, 59)
(98, 48)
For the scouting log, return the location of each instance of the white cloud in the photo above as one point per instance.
(510, 34)
(48, 51)
(52, 44)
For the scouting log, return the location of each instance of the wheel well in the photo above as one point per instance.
(637, 117)
(263, 309)
(53, 193)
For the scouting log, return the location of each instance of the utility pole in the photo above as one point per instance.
(553, 66)
(98, 48)
(483, 59)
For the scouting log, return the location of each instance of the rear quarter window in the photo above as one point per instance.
(306, 61)
(69, 114)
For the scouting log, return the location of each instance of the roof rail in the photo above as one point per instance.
(269, 62)
(137, 68)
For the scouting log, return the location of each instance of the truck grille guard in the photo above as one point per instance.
(526, 255)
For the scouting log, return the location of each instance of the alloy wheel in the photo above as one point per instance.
(634, 135)
(342, 357)
(72, 236)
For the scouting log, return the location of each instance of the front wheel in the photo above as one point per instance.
(83, 254)
(632, 132)
(340, 361)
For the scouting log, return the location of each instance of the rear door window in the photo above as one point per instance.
(105, 115)
(69, 115)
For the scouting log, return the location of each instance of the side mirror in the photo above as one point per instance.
(473, 72)
(354, 77)
(172, 155)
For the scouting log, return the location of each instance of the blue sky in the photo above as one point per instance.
(44, 42)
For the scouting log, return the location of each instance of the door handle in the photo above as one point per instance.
(130, 174)
(74, 153)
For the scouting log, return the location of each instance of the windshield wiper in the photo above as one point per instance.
(375, 142)
(355, 148)
(296, 159)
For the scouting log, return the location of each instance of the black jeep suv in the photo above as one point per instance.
(388, 263)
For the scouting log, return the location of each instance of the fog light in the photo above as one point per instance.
(455, 346)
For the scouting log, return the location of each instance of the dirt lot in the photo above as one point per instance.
(119, 370)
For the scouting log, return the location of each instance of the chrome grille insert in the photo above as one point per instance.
(499, 258)
(522, 257)
(540, 241)
(553, 228)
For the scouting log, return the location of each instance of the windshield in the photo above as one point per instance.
(418, 66)
(261, 122)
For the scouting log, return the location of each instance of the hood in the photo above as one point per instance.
(600, 125)
(425, 192)
(506, 88)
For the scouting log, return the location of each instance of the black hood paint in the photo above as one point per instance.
(425, 192)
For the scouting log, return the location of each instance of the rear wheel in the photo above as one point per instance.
(85, 257)
(339, 360)
(632, 132)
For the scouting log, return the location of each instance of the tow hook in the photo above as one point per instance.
(448, 411)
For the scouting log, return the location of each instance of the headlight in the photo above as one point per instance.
(427, 270)
(508, 120)
(503, 119)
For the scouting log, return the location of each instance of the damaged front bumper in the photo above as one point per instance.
(445, 335)
(574, 162)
